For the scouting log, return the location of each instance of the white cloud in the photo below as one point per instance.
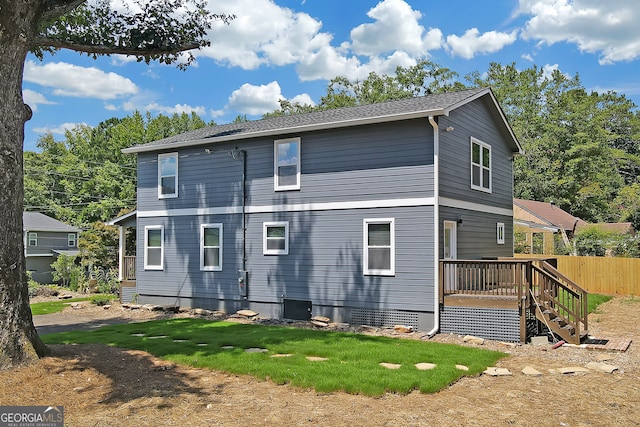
(548, 70)
(472, 42)
(303, 99)
(82, 82)
(527, 57)
(267, 34)
(58, 130)
(256, 100)
(396, 28)
(110, 107)
(609, 29)
(33, 99)
(164, 109)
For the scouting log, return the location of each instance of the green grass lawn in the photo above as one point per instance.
(594, 300)
(50, 307)
(352, 363)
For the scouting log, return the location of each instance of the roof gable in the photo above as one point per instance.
(549, 213)
(36, 221)
(403, 109)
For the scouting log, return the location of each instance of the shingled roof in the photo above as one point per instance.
(424, 106)
(36, 221)
(550, 214)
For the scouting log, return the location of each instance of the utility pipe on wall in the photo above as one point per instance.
(436, 227)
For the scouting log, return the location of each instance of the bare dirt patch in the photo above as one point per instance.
(104, 386)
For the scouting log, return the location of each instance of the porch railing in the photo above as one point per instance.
(484, 277)
(129, 268)
(560, 294)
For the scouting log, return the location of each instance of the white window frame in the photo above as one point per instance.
(265, 249)
(71, 240)
(218, 267)
(276, 160)
(160, 176)
(391, 271)
(481, 187)
(33, 239)
(500, 233)
(147, 266)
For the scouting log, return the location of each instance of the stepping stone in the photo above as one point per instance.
(282, 355)
(156, 337)
(497, 372)
(319, 323)
(462, 367)
(605, 357)
(256, 350)
(573, 370)
(528, 370)
(321, 319)
(202, 344)
(390, 365)
(316, 359)
(138, 335)
(227, 347)
(424, 366)
(402, 329)
(179, 340)
(470, 339)
(247, 313)
(602, 367)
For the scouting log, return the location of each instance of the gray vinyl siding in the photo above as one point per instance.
(373, 162)
(48, 240)
(479, 121)
(324, 264)
(477, 233)
(40, 268)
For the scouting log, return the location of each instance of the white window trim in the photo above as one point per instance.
(146, 247)
(284, 251)
(482, 168)
(202, 247)
(33, 237)
(276, 143)
(500, 233)
(71, 240)
(171, 195)
(365, 247)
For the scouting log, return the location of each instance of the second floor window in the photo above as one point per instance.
(167, 175)
(287, 164)
(33, 239)
(480, 166)
(71, 240)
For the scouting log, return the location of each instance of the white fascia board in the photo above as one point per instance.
(471, 206)
(284, 131)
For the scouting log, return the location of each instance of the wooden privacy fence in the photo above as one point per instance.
(599, 275)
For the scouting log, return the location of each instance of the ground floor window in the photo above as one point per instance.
(275, 239)
(153, 247)
(211, 247)
(379, 247)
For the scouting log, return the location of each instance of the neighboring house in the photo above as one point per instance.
(44, 239)
(540, 223)
(345, 213)
(623, 228)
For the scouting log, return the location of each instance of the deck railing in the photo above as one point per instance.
(484, 277)
(129, 268)
(558, 293)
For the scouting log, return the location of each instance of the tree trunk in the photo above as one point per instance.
(19, 341)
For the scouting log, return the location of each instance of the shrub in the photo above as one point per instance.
(101, 300)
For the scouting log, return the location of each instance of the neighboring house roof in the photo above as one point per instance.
(36, 221)
(128, 218)
(548, 214)
(68, 252)
(390, 111)
(616, 227)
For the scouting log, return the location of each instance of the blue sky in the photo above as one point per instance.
(291, 48)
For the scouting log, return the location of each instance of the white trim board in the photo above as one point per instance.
(328, 206)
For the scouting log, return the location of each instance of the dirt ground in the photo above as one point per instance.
(103, 386)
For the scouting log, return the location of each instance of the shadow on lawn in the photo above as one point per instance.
(133, 374)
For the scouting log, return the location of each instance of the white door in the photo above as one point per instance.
(450, 249)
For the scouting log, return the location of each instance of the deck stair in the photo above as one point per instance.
(559, 304)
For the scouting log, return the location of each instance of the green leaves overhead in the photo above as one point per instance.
(153, 30)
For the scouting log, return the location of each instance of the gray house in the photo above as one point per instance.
(344, 213)
(44, 239)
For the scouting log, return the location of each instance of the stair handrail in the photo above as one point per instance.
(575, 319)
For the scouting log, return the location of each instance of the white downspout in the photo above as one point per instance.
(121, 251)
(436, 227)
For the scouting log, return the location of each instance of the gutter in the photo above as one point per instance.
(436, 227)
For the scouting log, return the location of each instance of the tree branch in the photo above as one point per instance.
(114, 50)
(56, 8)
